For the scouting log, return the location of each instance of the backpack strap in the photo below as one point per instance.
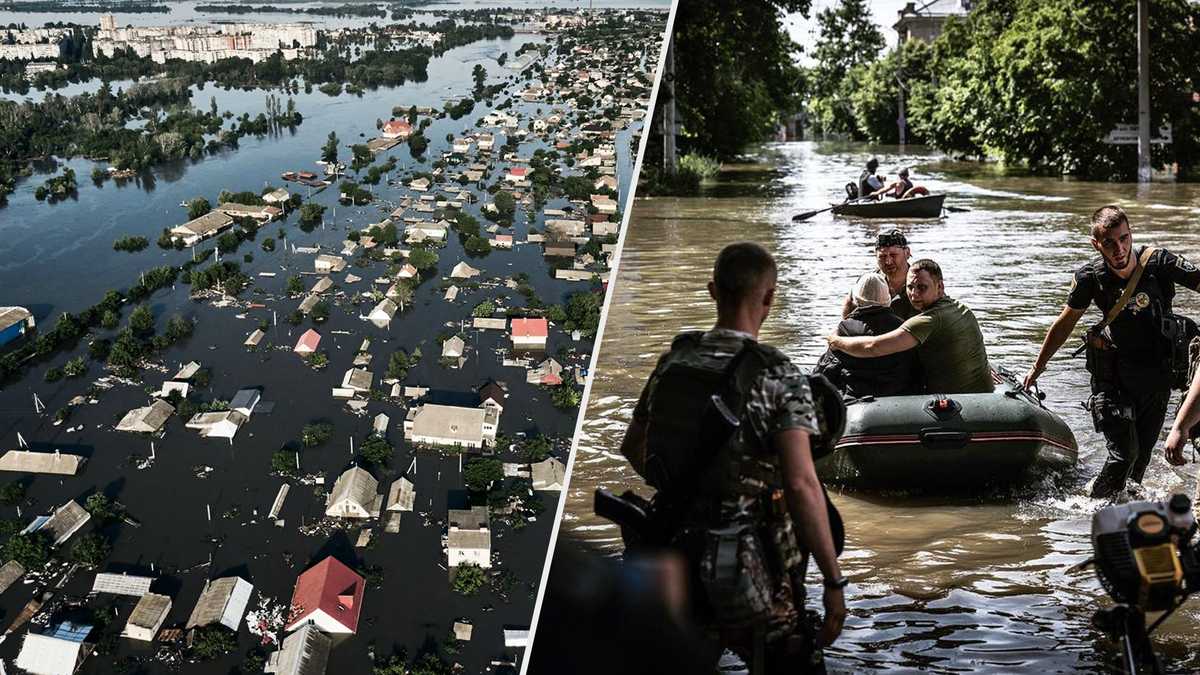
(1130, 287)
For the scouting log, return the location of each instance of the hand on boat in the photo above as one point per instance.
(1031, 377)
(1174, 447)
(835, 617)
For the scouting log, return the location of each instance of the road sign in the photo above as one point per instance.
(1127, 134)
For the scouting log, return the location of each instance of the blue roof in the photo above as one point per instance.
(72, 632)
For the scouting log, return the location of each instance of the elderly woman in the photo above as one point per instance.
(891, 375)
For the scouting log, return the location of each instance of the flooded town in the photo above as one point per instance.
(297, 316)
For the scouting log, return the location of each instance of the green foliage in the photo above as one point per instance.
(423, 258)
(477, 246)
(329, 151)
(75, 367)
(131, 244)
(484, 309)
(536, 449)
(12, 493)
(848, 41)
(316, 433)
(376, 451)
(198, 207)
(141, 321)
(53, 374)
(110, 319)
(104, 509)
(735, 71)
(310, 214)
(31, 550)
(566, 395)
(283, 462)
(399, 364)
(212, 642)
(706, 168)
(468, 579)
(268, 244)
(583, 312)
(481, 473)
(295, 284)
(91, 550)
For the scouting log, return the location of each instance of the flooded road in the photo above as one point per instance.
(938, 585)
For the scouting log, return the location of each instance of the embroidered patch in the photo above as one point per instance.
(1141, 301)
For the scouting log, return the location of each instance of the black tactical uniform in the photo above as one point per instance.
(1134, 397)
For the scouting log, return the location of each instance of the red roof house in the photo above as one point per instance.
(330, 595)
(396, 129)
(516, 173)
(308, 342)
(530, 332)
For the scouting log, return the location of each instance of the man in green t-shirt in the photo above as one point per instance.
(945, 334)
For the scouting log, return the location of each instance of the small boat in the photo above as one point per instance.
(929, 206)
(949, 443)
(288, 175)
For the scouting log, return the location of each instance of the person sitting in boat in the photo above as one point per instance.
(892, 375)
(868, 182)
(901, 188)
(946, 336)
(891, 260)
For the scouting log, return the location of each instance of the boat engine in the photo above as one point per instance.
(1147, 561)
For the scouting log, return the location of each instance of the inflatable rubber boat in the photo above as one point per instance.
(949, 442)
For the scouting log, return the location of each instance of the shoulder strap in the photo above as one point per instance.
(1130, 287)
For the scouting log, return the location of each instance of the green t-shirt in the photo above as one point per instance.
(950, 348)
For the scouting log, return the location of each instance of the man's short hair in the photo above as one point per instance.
(740, 269)
(892, 237)
(872, 164)
(1107, 218)
(934, 270)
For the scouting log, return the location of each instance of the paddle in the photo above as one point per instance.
(800, 217)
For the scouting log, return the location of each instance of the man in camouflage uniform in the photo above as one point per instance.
(770, 482)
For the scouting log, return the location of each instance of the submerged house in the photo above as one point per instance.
(469, 539)
(148, 419)
(529, 333)
(14, 322)
(62, 523)
(56, 462)
(548, 474)
(328, 595)
(304, 652)
(147, 617)
(307, 344)
(208, 225)
(449, 425)
(383, 313)
(223, 601)
(354, 495)
(223, 424)
(58, 651)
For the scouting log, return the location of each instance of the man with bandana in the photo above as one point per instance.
(1131, 389)
(891, 258)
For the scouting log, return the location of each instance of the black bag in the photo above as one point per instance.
(1179, 332)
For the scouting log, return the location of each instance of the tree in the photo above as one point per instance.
(376, 451)
(103, 509)
(583, 312)
(316, 433)
(12, 493)
(566, 396)
(311, 214)
(295, 285)
(423, 258)
(31, 550)
(735, 72)
(212, 642)
(468, 579)
(506, 206)
(536, 449)
(141, 321)
(484, 309)
(848, 41)
(329, 151)
(283, 462)
(398, 365)
(481, 473)
(198, 207)
(91, 550)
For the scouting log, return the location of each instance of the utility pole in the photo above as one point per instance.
(901, 121)
(668, 84)
(1143, 46)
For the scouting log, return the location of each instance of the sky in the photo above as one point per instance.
(804, 31)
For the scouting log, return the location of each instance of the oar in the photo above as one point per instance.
(809, 214)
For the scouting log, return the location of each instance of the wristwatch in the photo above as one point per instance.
(838, 583)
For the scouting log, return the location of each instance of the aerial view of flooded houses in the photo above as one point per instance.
(300, 394)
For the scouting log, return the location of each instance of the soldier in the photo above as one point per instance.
(1131, 357)
(891, 258)
(724, 430)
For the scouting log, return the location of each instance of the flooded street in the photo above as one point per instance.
(937, 585)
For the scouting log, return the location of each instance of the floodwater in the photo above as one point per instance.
(937, 585)
(59, 257)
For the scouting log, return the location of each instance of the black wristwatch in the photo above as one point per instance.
(838, 583)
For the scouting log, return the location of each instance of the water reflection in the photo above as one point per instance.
(938, 585)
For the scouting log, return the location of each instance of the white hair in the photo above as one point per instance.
(871, 289)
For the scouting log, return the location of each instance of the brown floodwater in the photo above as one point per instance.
(943, 585)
